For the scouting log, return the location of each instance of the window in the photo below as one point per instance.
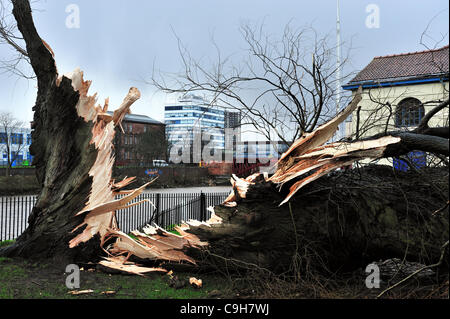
(128, 127)
(28, 139)
(409, 112)
(16, 138)
(173, 108)
(3, 138)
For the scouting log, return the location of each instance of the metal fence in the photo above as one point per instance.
(164, 209)
(167, 209)
(14, 212)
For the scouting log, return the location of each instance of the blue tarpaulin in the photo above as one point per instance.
(417, 158)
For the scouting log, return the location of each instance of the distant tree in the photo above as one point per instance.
(141, 148)
(11, 138)
(283, 86)
(152, 145)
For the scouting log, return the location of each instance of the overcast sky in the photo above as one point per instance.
(119, 42)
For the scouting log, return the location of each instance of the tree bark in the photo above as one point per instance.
(340, 222)
(64, 130)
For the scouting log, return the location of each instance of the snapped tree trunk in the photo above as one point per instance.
(72, 149)
(340, 222)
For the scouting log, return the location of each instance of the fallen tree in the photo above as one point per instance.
(342, 221)
(339, 221)
(300, 214)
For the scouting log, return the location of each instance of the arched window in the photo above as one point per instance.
(409, 112)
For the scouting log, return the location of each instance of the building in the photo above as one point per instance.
(250, 157)
(232, 123)
(398, 90)
(253, 156)
(191, 115)
(130, 148)
(262, 151)
(232, 119)
(19, 141)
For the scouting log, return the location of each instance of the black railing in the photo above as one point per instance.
(14, 212)
(164, 209)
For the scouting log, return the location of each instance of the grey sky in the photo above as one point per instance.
(118, 42)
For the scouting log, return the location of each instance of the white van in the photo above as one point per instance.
(159, 163)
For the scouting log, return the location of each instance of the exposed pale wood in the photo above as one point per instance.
(320, 135)
(131, 268)
(124, 108)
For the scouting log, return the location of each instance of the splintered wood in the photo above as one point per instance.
(306, 160)
(121, 265)
(196, 283)
(101, 204)
(309, 158)
(100, 207)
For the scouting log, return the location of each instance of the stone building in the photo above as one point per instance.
(398, 90)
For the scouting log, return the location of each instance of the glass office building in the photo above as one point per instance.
(192, 114)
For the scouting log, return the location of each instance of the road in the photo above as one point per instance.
(204, 189)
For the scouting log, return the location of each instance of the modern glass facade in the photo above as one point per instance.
(192, 114)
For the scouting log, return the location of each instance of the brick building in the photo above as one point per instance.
(142, 141)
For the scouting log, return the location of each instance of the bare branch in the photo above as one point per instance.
(9, 36)
(285, 86)
(443, 248)
(423, 125)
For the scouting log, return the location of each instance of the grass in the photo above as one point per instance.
(23, 279)
(8, 274)
(31, 280)
(6, 243)
(171, 229)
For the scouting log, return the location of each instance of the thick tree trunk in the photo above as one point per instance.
(339, 222)
(62, 154)
(71, 145)
(63, 157)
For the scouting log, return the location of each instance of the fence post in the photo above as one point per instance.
(158, 207)
(202, 206)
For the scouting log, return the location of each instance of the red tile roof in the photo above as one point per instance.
(406, 65)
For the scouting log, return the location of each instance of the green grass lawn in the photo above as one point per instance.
(25, 279)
